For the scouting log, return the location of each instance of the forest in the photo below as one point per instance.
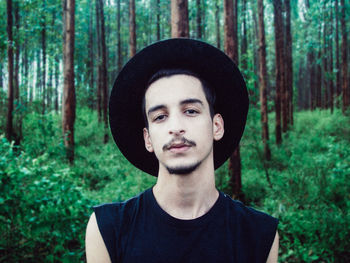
(58, 62)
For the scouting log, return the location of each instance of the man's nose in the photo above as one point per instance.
(176, 126)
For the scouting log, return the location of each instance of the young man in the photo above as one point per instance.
(179, 92)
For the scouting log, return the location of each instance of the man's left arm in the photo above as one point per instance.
(273, 255)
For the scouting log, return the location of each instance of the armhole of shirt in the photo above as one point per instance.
(106, 219)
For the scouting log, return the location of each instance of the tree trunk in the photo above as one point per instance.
(119, 44)
(317, 87)
(344, 48)
(199, 19)
(91, 60)
(17, 49)
(263, 81)
(57, 74)
(43, 46)
(337, 55)
(278, 22)
(68, 73)
(179, 18)
(104, 77)
(325, 60)
(244, 42)
(289, 65)
(9, 126)
(231, 49)
(157, 18)
(217, 24)
(99, 62)
(330, 65)
(132, 28)
(231, 38)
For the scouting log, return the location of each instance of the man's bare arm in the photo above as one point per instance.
(273, 255)
(96, 251)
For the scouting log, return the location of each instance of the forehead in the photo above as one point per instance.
(174, 89)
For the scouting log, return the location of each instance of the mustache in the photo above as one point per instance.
(181, 140)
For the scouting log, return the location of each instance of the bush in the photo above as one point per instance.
(40, 222)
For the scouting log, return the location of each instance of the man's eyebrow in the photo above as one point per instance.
(191, 101)
(155, 108)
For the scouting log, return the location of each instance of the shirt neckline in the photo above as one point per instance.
(160, 214)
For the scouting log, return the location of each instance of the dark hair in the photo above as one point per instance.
(207, 89)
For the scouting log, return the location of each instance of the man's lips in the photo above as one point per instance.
(179, 145)
(179, 148)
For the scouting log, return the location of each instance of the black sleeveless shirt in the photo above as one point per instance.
(139, 230)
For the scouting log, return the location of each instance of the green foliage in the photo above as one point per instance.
(310, 186)
(40, 222)
(46, 202)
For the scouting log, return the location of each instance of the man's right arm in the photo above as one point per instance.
(96, 251)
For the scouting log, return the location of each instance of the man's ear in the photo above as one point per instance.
(148, 142)
(218, 127)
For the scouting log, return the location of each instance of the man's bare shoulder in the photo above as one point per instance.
(273, 255)
(95, 248)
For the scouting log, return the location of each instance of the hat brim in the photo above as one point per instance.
(125, 103)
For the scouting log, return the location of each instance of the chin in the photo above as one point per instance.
(182, 169)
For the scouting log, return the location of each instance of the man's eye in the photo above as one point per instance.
(159, 117)
(191, 111)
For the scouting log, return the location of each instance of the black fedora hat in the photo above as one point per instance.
(125, 103)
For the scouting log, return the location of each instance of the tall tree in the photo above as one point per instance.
(244, 43)
(217, 24)
(344, 50)
(199, 19)
(179, 18)
(132, 28)
(43, 47)
(263, 81)
(68, 73)
(337, 55)
(9, 124)
(104, 77)
(278, 23)
(289, 66)
(157, 18)
(99, 61)
(231, 49)
(90, 65)
(119, 40)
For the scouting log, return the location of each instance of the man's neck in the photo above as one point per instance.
(186, 196)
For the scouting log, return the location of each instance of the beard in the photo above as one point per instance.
(182, 170)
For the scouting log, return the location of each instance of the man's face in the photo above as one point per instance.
(180, 130)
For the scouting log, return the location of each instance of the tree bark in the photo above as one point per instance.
(179, 18)
(217, 24)
(344, 48)
(330, 65)
(132, 28)
(316, 99)
(9, 124)
(90, 66)
(278, 23)
(263, 81)
(289, 66)
(68, 73)
(17, 49)
(99, 62)
(43, 46)
(231, 39)
(158, 19)
(244, 42)
(231, 49)
(325, 60)
(337, 55)
(104, 77)
(199, 19)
